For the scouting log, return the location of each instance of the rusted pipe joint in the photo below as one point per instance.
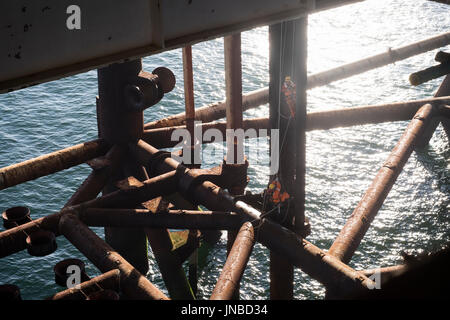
(147, 89)
(227, 176)
(235, 176)
(15, 216)
(156, 160)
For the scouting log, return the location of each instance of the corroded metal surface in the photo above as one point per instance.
(359, 222)
(105, 258)
(51, 163)
(234, 267)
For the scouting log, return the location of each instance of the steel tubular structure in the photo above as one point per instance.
(136, 178)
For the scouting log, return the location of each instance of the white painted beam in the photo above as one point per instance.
(40, 43)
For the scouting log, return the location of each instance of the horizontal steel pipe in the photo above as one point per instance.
(212, 111)
(142, 218)
(319, 120)
(434, 72)
(132, 283)
(51, 163)
(236, 263)
(378, 60)
(318, 264)
(162, 137)
(108, 280)
(358, 223)
(259, 97)
(397, 111)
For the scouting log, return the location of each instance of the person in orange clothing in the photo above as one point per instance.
(274, 191)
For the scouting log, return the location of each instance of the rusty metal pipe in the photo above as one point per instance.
(133, 284)
(354, 230)
(161, 185)
(98, 178)
(234, 267)
(51, 163)
(387, 272)
(213, 111)
(301, 253)
(108, 280)
(142, 218)
(319, 120)
(14, 240)
(431, 73)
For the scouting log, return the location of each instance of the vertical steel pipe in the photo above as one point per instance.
(135, 218)
(189, 91)
(281, 118)
(236, 263)
(354, 230)
(300, 78)
(233, 86)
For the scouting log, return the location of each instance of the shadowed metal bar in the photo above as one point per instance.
(51, 163)
(233, 92)
(234, 267)
(358, 223)
(142, 218)
(108, 280)
(105, 258)
(385, 273)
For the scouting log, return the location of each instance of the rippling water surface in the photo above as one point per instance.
(341, 163)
